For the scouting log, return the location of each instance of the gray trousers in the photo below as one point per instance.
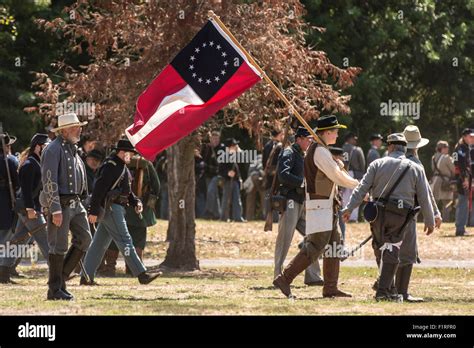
(75, 220)
(113, 227)
(409, 247)
(293, 218)
(21, 236)
(388, 237)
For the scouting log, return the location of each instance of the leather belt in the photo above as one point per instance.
(70, 201)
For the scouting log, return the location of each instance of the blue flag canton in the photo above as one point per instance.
(207, 62)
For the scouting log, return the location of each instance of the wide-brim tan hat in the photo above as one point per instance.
(67, 121)
(413, 137)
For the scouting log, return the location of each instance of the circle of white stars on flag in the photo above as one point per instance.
(193, 58)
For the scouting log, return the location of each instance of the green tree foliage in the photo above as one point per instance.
(24, 48)
(409, 51)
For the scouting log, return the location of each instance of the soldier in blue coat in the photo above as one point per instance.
(113, 192)
(6, 205)
(31, 223)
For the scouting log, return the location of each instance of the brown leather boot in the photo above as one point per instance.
(331, 276)
(299, 263)
(111, 257)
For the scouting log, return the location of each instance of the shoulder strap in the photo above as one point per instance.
(394, 186)
(119, 178)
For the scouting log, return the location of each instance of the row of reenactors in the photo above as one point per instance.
(221, 192)
(395, 188)
(60, 188)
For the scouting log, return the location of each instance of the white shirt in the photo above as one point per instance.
(333, 169)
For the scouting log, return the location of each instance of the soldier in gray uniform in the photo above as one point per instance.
(409, 248)
(64, 181)
(395, 208)
(375, 144)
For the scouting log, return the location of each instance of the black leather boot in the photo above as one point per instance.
(385, 285)
(402, 282)
(91, 282)
(56, 278)
(71, 260)
(147, 277)
(5, 275)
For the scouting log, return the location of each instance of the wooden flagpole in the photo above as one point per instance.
(293, 110)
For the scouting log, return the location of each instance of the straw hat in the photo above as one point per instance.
(413, 137)
(67, 121)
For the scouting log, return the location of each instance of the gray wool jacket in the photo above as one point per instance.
(62, 172)
(414, 183)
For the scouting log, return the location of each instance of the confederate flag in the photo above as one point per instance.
(207, 74)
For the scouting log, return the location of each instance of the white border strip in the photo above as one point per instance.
(168, 106)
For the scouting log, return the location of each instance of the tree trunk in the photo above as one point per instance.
(181, 252)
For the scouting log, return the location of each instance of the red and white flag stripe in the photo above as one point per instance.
(169, 109)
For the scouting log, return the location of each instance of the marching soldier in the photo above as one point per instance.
(323, 174)
(393, 181)
(146, 186)
(463, 174)
(30, 219)
(64, 180)
(9, 184)
(409, 247)
(113, 192)
(290, 171)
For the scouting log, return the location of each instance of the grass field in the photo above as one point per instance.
(248, 241)
(248, 290)
(240, 290)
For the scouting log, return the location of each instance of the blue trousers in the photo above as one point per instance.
(113, 227)
(462, 214)
(21, 237)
